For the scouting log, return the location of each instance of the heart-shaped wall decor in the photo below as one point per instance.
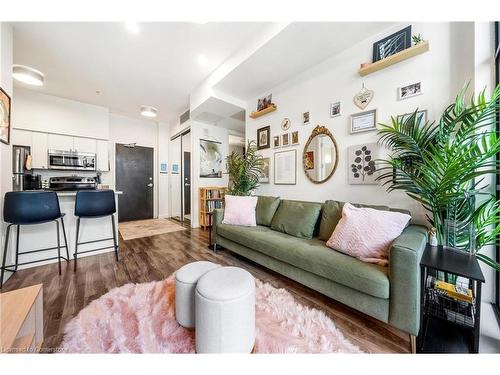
(363, 98)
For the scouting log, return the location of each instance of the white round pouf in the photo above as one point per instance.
(225, 311)
(185, 285)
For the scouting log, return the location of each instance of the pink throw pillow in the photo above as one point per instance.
(366, 233)
(240, 211)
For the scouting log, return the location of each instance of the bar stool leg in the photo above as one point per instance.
(5, 254)
(65, 239)
(75, 255)
(58, 247)
(18, 229)
(114, 236)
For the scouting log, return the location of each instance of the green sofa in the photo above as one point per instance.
(290, 239)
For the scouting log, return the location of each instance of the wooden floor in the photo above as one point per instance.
(154, 258)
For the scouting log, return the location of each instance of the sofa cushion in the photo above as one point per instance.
(266, 208)
(331, 213)
(313, 256)
(296, 218)
(240, 210)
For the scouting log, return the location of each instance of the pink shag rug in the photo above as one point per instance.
(140, 318)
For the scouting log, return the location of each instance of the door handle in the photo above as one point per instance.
(150, 184)
(186, 184)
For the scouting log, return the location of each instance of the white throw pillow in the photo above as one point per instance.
(240, 211)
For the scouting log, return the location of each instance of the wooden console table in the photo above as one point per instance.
(21, 316)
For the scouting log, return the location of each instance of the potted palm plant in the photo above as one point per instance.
(445, 165)
(244, 171)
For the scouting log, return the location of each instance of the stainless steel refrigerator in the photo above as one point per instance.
(19, 156)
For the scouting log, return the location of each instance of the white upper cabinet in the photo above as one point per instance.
(60, 142)
(21, 137)
(102, 156)
(39, 150)
(84, 145)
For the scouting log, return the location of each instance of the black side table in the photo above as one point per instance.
(443, 311)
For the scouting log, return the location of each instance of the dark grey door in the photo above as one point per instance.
(186, 165)
(134, 176)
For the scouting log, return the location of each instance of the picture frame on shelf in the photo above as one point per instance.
(421, 117)
(263, 103)
(264, 137)
(392, 44)
(285, 167)
(285, 140)
(409, 91)
(295, 138)
(335, 109)
(363, 121)
(276, 141)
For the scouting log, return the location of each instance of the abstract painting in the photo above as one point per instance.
(211, 159)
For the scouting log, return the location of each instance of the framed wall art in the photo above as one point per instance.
(364, 121)
(392, 44)
(276, 141)
(295, 138)
(285, 140)
(335, 109)
(421, 117)
(305, 118)
(410, 91)
(211, 159)
(264, 137)
(285, 167)
(266, 168)
(363, 169)
(5, 108)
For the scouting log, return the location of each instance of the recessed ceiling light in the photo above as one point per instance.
(200, 22)
(148, 111)
(132, 27)
(202, 60)
(27, 75)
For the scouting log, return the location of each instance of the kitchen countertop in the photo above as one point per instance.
(73, 193)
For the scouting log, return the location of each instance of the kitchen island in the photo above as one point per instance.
(44, 235)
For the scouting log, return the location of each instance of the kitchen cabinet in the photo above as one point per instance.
(84, 145)
(39, 150)
(60, 142)
(21, 137)
(102, 156)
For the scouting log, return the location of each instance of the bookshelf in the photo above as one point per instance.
(211, 197)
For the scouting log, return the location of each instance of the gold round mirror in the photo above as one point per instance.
(320, 156)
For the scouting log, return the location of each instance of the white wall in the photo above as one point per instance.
(163, 142)
(337, 79)
(36, 111)
(204, 131)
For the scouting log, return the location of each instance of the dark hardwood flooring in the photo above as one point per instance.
(155, 258)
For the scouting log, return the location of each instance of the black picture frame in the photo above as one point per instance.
(9, 109)
(260, 144)
(401, 37)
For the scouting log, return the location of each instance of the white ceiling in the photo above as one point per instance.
(157, 66)
(298, 47)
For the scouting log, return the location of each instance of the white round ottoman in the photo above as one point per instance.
(225, 311)
(185, 285)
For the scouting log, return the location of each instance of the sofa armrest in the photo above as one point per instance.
(404, 276)
(216, 220)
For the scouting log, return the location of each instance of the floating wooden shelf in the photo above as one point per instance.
(394, 59)
(263, 112)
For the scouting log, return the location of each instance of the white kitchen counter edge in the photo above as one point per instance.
(73, 193)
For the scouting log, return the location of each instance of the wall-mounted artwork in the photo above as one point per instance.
(295, 138)
(363, 169)
(392, 44)
(264, 137)
(410, 91)
(266, 168)
(309, 160)
(265, 102)
(421, 117)
(5, 107)
(285, 140)
(305, 118)
(211, 159)
(335, 109)
(276, 141)
(285, 167)
(175, 168)
(364, 121)
(285, 124)
(363, 97)
(163, 167)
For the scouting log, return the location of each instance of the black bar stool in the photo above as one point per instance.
(30, 208)
(91, 204)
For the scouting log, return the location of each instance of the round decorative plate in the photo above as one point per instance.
(286, 123)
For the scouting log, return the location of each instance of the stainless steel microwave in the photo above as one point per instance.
(76, 161)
